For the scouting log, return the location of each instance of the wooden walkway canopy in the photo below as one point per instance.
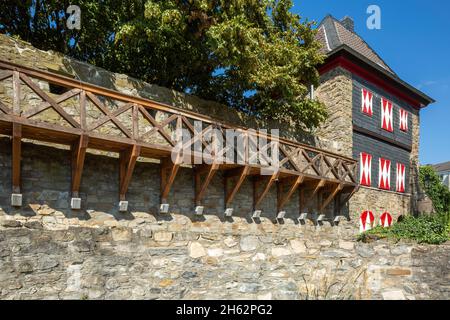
(84, 116)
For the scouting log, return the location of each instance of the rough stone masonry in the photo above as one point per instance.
(49, 251)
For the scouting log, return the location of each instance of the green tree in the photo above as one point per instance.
(434, 188)
(254, 55)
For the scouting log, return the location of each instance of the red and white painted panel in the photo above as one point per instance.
(386, 115)
(366, 102)
(366, 221)
(403, 116)
(386, 220)
(365, 169)
(400, 183)
(384, 174)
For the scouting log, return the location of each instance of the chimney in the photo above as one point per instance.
(348, 23)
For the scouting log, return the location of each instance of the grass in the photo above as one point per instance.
(424, 229)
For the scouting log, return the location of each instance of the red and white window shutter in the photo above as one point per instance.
(403, 116)
(400, 177)
(365, 169)
(386, 220)
(366, 221)
(384, 176)
(386, 115)
(366, 102)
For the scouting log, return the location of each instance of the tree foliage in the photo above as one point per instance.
(254, 55)
(435, 189)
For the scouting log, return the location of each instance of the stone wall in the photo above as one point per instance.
(50, 251)
(335, 91)
(145, 260)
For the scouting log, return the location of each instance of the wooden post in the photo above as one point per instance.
(78, 151)
(200, 188)
(230, 196)
(169, 171)
(127, 163)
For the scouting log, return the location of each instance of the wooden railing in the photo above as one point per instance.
(84, 116)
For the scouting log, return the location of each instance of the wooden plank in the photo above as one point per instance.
(157, 127)
(127, 163)
(311, 162)
(336, 190)
(230, 196)
(109, 114)
(78, 150)
(283, 200)
(169, 171)
(4, 108)
(83, 110)
(16, 157)
(45, 104)
(48, 99)
(273, 178)
(200, 188)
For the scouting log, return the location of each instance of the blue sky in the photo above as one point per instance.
(414, 41)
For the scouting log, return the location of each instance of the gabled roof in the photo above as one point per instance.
(339, 40)
(333, 34)
(442, 166)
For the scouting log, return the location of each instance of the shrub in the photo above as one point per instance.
(424, 229)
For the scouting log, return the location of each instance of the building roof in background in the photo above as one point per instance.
(338, 36)
(333, 33)
(442, 166)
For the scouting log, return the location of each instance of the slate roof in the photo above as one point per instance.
(332, 34)
(442, 166)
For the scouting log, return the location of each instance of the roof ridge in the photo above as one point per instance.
(364, 41)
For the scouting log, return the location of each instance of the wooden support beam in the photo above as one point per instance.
(259, 198)
(200, 188)
(230, 196)
(320, 184)
(78, 151)
(127, 163)
(348, 197)
(283, 200)
(301, 200)
(169, 171)
(16, 157)
(336, 190)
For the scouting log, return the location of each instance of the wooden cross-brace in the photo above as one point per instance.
(257, 199)
(229, 196)
(200, 188)
(169, 171)
(78, 150)
(127, 161)
(282, 200)
(327, 201)
(16, 156)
